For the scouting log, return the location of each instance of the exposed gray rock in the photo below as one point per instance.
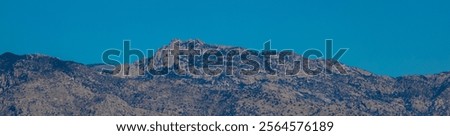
(43, 85)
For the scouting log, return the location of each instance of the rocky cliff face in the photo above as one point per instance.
(43, 85)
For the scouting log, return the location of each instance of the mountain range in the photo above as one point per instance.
(43, 85)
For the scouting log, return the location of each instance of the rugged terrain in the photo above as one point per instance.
(44, 85)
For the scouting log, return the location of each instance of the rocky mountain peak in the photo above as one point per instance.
(43, 85)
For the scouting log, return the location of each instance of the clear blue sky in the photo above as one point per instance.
(389, 37)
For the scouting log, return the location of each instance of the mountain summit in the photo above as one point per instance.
(44, 85)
